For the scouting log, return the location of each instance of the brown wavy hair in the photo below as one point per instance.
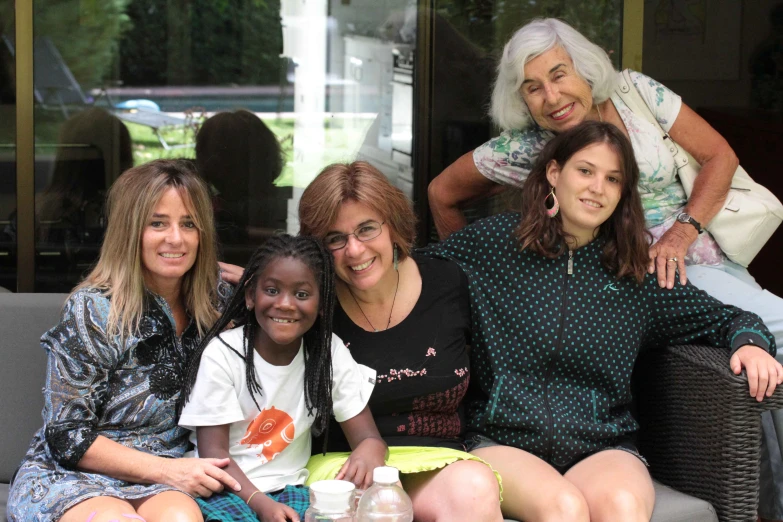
(361, 182)
(625, 234)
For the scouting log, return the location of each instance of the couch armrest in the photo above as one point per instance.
(700, 429)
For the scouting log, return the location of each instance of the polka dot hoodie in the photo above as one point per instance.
(555, 340)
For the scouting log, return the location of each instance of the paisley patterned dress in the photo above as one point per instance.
(125, 391)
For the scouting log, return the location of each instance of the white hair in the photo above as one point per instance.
(508, 110)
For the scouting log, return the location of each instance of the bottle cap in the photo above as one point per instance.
(332, 496)
(386, 475)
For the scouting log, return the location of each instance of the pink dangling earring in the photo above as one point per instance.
(555, 208)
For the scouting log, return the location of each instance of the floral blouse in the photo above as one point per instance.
(508, 159)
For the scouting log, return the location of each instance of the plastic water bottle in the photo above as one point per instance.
(385, 501)
(331, 500)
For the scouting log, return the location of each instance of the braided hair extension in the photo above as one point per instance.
(317, 340)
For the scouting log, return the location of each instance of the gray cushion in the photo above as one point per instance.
(673, 506)
(25, 317)
(3, 500)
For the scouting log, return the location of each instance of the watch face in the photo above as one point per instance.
(683, 218)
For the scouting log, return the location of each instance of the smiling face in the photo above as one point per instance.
(557, 97)
(169, 243)
(588, 188)
(285, 299)
(362, 264)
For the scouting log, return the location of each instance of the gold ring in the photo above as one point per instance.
(673, 259)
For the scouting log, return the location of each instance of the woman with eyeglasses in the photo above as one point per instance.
(407, 317)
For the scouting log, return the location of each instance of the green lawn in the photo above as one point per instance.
(341, 136)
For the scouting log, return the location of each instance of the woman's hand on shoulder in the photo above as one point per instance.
(198, 477)
(764, 372)
(230, 273)
(368, 455)
(667, 255)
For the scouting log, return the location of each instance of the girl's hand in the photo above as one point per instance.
(198, 477)
(368, 455)
(667, 256)
(230, 273)
(270, 511)
(764, 372)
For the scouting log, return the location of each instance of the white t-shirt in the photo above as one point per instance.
(270, 445)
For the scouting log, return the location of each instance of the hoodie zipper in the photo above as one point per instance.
(553, 359)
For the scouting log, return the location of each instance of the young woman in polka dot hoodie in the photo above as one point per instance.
(562, 304)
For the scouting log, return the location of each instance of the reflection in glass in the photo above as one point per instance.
(262, 94)
(240, 158)
(737, 88)
(766, 66)
(468, 36)
(7, 148)
(93, 149)
(353, 95)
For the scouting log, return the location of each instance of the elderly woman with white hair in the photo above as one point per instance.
(551, 78)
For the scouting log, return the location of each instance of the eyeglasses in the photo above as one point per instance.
(365, 232)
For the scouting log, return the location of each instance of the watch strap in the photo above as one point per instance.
(690, 220)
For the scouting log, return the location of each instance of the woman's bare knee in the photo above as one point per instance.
(464, 490)
(169, 506)
(565, 505)
(619, 504)
(617, 486)
(473, 489)
(100, 509)
(532, 489)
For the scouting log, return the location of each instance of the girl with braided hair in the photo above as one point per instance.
(256, 392)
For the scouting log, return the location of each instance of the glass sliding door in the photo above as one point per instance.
(726, 61)
(8, 235)
(467, 36)
(262, 95)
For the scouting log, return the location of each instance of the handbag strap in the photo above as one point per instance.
(627, 91)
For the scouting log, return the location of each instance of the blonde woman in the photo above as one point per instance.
(109, 446)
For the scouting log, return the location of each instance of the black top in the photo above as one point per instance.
(555, 340)
(422, 364)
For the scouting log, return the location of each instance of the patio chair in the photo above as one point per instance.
(54, 87)
(700, 429)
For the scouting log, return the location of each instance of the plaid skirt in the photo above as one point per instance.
(227, 507)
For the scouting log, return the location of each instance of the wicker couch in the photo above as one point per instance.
(700, 429)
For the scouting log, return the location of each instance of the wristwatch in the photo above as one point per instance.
(682, 217)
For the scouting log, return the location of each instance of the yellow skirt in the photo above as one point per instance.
(407, 459)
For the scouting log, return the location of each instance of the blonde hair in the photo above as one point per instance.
(361, 182)
(118, 272)
(508, 110)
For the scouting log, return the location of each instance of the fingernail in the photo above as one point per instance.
(238, 488)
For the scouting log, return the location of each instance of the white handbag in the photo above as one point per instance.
(751, 213)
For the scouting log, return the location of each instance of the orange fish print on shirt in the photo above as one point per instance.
(273, 430)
